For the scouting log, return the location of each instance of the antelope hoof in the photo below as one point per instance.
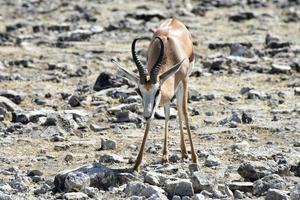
(194, 158)
(165, 158)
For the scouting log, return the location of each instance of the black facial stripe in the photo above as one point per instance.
(154, 104)
(139, 92)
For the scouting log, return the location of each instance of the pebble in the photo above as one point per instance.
(212, 161)
(75, 196)
(203, 181)
(108, 144)
(273, 181)
(254, 170)
(181, 187)
(275, 194)
(76, 181)
(279, 68)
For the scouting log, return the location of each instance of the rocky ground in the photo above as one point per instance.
(62, 106)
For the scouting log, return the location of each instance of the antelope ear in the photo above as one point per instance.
(126, 73)
(170, 72)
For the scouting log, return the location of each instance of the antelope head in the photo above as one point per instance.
(149, 83)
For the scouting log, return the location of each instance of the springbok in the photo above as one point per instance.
(170, 58)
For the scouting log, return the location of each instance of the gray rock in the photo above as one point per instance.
(108, 144)
(295, 192)
(151, 190)
(14, 96)
(230, 98)
(100, 176)
(155, 178)
(240, 50)
(8, 105)
(277, 69)
(243, 16)
(20, 184)
(6, 188)
(42, 189)
(182, 187)
(212, 161)
(151, 178)
(254, 170)
(35, 172)
(199, 197)
(112, 158)
(74, 101)
(106, 80)
(127, 116)
(274, 42)
(238, 194)
(241, 186)
(174, 158)
(202, 181)
(240, 146)
(75, 196)
(77, 181)
(77, 35)
(274, 194)
(175, 197)
(297, 91)
(134, 188)
(247, 117)
(273, 181)
(5, 196)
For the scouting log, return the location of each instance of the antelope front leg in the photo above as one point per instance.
(184, 154)
(141, 152)
(186, 119)
(165, 157)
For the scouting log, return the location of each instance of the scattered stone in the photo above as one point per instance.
(241, 186)
(106, 80)
(212, 161)
(240, 51)
(230, 98)
(174, 158)
(297, 91)
(247, 117)
(42, 189)
(182, 187)
(202, 181)
(8, 105)
(273, 42)
(112, 158)
(76, 181)
(273, 181)
(275, 194)
(242, 17)
(5, 196)
(295, 192)
(108, 144)
(238, 194)
(277, 69)
(75, 196)
(255, 170)
(35, 172)
(74, 101)
(14, 96)
(100, 176)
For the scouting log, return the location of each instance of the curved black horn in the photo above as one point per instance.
(142, 70)
(157, 65)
